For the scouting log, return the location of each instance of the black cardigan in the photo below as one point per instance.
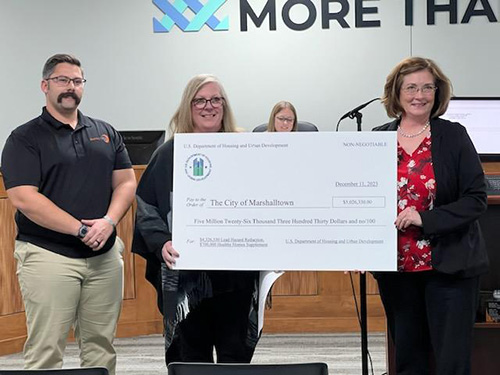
(153, 227)
(178, 291)
(457, 243)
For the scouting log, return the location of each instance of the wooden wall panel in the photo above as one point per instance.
(11, 301)
(12, 333)
(125, 230)
(491, 168)
(302, 301)
(371, 284)
(140, 316)
(296, 283)
(3, 193)
(331, 309)
(304, 283)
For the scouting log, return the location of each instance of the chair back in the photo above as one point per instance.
(315, 368)
(302, 126)
(60, 371)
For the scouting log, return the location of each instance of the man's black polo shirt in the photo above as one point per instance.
(72, 168)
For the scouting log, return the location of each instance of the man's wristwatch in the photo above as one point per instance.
(82, 232)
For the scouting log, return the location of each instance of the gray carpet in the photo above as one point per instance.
(144, 355)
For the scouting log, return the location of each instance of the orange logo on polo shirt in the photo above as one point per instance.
(103, 138)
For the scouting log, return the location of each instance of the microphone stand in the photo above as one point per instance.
(355, 113)
(363, 321)
(363, 316)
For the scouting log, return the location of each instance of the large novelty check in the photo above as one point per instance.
(285, 201)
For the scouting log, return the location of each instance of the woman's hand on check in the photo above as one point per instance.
(169, 254)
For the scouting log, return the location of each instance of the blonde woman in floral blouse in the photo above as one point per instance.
(431, 301)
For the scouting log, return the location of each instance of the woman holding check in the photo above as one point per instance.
(202, 310)
(431, 301)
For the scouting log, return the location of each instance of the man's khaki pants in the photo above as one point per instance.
(59, 292)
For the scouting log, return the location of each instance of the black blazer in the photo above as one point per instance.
(457, 243)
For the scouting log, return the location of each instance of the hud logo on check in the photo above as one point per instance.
(198, 167)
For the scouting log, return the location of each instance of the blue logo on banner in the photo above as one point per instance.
(203, 15)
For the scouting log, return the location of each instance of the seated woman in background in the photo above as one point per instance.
(283, 118)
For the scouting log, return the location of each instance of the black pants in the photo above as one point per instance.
(430, 313)
(220, 322)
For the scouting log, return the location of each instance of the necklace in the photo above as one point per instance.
(406, 135)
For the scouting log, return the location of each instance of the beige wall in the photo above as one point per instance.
(136, 77)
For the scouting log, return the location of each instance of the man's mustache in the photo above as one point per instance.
(68, 94)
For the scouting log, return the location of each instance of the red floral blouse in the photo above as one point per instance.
(416, 188)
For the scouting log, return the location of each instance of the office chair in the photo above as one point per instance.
(302, 126)
(181, 368)
(59, 371)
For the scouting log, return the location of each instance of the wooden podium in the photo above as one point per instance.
(313, 302)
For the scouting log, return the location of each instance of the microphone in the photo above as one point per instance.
(351, 113)
(355, 113)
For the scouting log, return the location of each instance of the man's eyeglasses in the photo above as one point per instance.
(425, 89)
(201, 103)
(285, 119)
(64, 81)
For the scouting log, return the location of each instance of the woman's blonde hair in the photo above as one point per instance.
(410, 65)
(182, 120)
(278, 108)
